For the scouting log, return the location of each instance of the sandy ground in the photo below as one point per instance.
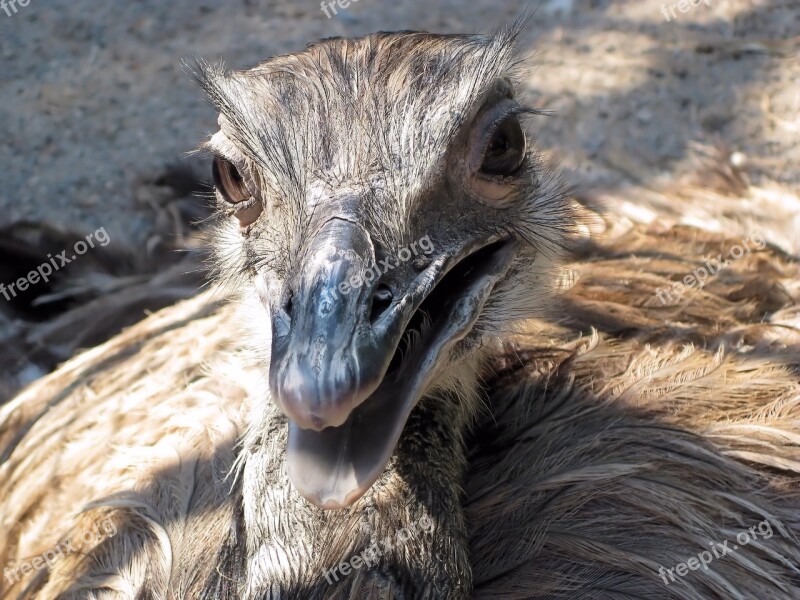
(97, 112)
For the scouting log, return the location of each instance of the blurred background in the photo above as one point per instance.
(98, 117)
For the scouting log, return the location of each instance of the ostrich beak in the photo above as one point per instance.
(338, 369)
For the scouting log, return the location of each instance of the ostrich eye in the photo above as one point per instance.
(506, 148)
(229, 181)
(236, 191)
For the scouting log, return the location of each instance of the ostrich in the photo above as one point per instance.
(272, 439)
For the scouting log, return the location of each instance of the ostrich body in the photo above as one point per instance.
(244, 449)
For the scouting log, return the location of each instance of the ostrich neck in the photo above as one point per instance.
(412, 516)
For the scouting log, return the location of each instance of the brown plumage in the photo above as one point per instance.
(605, 439)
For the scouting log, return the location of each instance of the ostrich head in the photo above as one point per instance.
(386, 217)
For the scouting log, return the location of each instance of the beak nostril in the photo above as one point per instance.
(288, 305)
(420, 262)
(381, 301)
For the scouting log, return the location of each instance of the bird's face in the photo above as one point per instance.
(383, 204)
